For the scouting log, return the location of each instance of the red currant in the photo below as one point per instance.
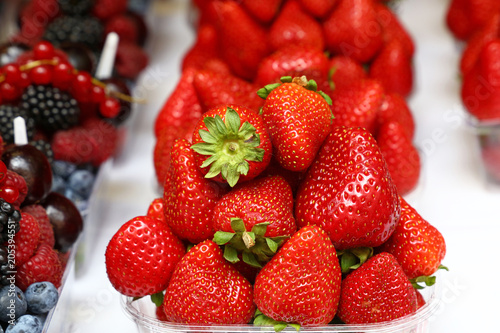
(12, 73)
(43, 50)
(9, 194)
(41, 74)
(97, 94)
(62, 76)
(8, 91)
(24, 81)
(82, 85)
(110, 107)
(3, 172)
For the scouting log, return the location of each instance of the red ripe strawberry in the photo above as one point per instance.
(417, 245)
(293, 61)
(204, 48)
(481, 85)
(26, 239)
(293, 26)
(16, 181)
(141, 256)
(241, 37)
(306, 264)
(105, 9)
(395, 108)
(348, 191)
(465, 17)
(215, 89)
(420, 299)
(125, 26)
(403, 159)
(204, 274)
(189, 198)
(393, 28)
(318, 8)
(155, 209)
(298, 119)
(180, 107)
(392, 67)
(263, 10)
(474, 45)
(130, 60)
(377, 291)
(352, 30)
(357, 104)
(344, 71)
(44, 265)
(46, 229)
(231, 144)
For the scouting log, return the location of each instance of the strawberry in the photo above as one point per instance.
(298, 119)
(306, 264)
(344, 71)
(46, 229)
(130, 59)
(377, 291)
(204, 48)
(293, 61)
(204, 274)
(215, 89)
(395, 108)
(293, 26)
(141, 256)
(105, 9)
(392, 28)
(263, 10)
(403, 159)
(44, 265)
(392, 67)
(265, 203)
(231, 144)
(357, 104)
(181, 106)
(318, 8)
(26, 239)
(417, 245)
(189, 198)
(481, 85)
(241, 37)
(352, 30)
(465, 17)
(348, 191)
(155, 209)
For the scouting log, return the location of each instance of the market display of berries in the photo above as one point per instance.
(84, 24)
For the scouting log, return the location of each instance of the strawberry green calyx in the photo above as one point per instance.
(300, 80)
(352, 259)
(261, 319)
(230, 145)
(254, 248)
(420, 282)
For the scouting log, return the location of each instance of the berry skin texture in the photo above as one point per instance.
(417, 245)
(41, 297)
(26, 323)
(141, 257)
(44, 265)
(206, 289)
(301, 283)
(377, 291)
(7, 297)
(46, 230)
(348, 191)
(27, 238)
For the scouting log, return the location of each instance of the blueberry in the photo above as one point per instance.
(63, 169)
(41, 297)
(58, 184)
(25, 324)
(12, 303)
(81, 181)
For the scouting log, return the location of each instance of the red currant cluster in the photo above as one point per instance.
(45, 65)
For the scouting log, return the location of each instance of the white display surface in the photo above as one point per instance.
(452, 195)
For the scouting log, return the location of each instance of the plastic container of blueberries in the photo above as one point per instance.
(142, 313)
(487, 149)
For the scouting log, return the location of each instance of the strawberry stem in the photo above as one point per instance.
(300, 80)
(263, 320)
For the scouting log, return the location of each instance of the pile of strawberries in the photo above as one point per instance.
(359, 54)
(477, 25)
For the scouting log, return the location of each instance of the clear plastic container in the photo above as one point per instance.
(142, 312)
(487, 134)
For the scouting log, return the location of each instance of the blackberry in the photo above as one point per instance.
(9, 220)
(7, 115)
(75, 7)
(87, 30)
(51, 108)
(44, 147)
(5, 268)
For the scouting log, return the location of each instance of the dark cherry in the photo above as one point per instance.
(120, 86)
(79, 56)
(9, 52)
(65, 218)
(33, 166)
